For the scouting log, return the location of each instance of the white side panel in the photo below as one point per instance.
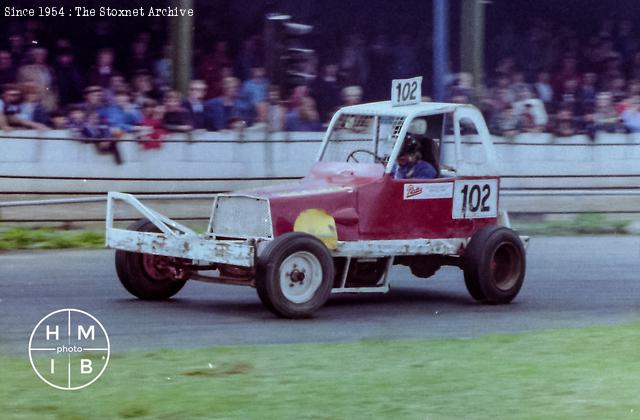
(488, 164)
(475, 199)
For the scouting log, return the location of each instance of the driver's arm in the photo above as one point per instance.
(425, 170)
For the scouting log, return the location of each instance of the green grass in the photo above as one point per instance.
(583, 224)
(52, 238)
(48, 238)
(581, 373)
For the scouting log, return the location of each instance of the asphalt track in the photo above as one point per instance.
(571, 282)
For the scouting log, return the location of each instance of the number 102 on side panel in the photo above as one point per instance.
(474, 199)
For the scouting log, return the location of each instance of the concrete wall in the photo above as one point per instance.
(540, 173)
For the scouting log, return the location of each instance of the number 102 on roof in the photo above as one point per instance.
(406, 91)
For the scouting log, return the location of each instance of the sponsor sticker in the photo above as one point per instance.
(428, 191)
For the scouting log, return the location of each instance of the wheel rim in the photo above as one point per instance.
(506, 266)
(300, 276)
(157, 267)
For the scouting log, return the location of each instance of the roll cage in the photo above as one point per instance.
(459, 116)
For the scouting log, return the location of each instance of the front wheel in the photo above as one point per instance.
(295, 275)
(494, 265)
(147, 276)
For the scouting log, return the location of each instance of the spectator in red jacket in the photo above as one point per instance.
(152, 128)
(567, 73)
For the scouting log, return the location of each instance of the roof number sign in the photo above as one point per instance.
(406, 91)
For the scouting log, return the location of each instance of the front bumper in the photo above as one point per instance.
(191, 247)
(174, 239)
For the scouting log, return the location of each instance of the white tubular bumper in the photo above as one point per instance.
(174, 239)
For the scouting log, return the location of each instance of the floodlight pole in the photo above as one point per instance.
(472, 41)
(182, 42)
(440, 48)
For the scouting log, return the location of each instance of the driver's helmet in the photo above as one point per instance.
(415, 133)
(411, 145)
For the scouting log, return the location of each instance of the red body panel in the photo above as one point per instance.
(385, 214)
(367, 204)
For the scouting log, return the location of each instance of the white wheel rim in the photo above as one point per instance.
(300, 276)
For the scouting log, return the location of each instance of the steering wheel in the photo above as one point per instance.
(352, 155)
(447, 167)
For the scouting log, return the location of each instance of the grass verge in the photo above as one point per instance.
(52, 238)
(578, 373)
(48, 238)
(583, 224)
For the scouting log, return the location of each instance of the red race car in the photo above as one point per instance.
(397, 182)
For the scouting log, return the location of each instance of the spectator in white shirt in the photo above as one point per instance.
(543, 87)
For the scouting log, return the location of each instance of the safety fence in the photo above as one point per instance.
(539, 173)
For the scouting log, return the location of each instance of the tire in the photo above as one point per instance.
(137, 278)
(285, 293)
(494, 265)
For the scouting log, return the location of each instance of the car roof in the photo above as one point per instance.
(385, 108)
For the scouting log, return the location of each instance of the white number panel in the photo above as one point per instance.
(475, 199)
(406, 91)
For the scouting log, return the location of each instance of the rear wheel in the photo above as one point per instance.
(494, 265)
(147, 276)
(295, 275)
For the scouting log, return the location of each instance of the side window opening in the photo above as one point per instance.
(471, 147)
(447, 153)
(423, 141)
(468, 127)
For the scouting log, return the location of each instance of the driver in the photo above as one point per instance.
(410, 164)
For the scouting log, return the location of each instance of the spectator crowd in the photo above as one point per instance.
(45, 88)
(545, 78)
(549, 78)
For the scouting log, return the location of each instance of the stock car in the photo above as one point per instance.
(344, 225)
